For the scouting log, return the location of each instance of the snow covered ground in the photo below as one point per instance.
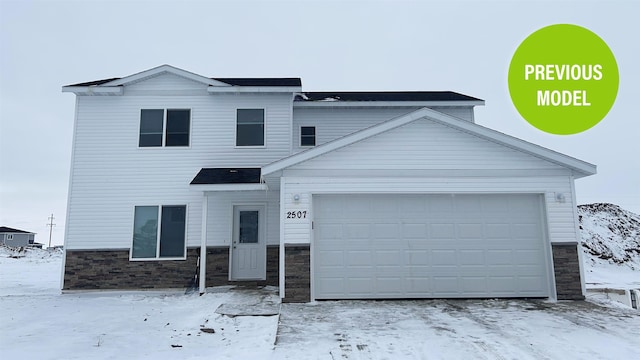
(37, 322)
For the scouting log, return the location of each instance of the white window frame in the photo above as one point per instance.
(164, 127)
(264, 126)
(159, 228)
(315, 136)
(9, 237)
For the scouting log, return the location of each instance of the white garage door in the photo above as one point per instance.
(428, 246)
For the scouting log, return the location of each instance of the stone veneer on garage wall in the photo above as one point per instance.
(297, 273)
(112, 269)
(566, 265)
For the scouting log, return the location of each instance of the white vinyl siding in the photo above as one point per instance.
(425, 145)
(220, 214)
(333, 123)
(110, 174)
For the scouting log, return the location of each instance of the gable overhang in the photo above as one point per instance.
(115, 87)
(94, 90)
(345, 104)
(165, 69)
(578, 167)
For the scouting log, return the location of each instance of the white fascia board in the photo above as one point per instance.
(579, 166)
(228, 187)
(315, 104)
(165, 69)
(93, 90)
(254, 89)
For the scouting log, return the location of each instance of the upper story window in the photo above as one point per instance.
(160, 127)
(9, 236)
(308, 136)
(250, 127)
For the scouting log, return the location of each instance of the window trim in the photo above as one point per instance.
(9, 237)
(264, 127)
(159, 228)
(164, 128)
(315, 136)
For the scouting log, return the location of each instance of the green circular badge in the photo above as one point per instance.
(563, 79)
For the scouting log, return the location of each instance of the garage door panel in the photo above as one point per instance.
(357, 231)
(414, 231)
(470, 231)
(359, 258)
(428, 246)
(328, 231)
(414, 257)
(444, 258)
(474, 285)
(391, 257)
(527, 257)
(385, 231)
(441, 231)
(472, 257)
(445, 286)
(389, 285)
(413, 285)
(497, 231)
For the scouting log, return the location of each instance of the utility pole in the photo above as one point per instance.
(50, 224)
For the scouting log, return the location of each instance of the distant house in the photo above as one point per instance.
(14, 237)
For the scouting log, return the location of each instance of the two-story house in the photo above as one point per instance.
(333, 195)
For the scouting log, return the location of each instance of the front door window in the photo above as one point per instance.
(249, 227)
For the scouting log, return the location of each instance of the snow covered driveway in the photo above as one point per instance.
(457, 329)
(37, 322)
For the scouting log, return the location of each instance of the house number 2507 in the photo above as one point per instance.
(296, 214)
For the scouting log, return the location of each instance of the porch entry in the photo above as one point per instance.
(249, 246)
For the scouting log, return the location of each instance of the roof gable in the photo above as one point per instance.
(161, 70)
(580, 167)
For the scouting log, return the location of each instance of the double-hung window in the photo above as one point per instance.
(159, 232)
(308, 136)
(250, 127)
(164, 127)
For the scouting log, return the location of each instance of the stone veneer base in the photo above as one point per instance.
(112, 270)
(566, 265)
(297, 273)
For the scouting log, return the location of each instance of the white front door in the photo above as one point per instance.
(249, 250)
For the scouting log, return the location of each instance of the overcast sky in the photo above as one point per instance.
(464, 46)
